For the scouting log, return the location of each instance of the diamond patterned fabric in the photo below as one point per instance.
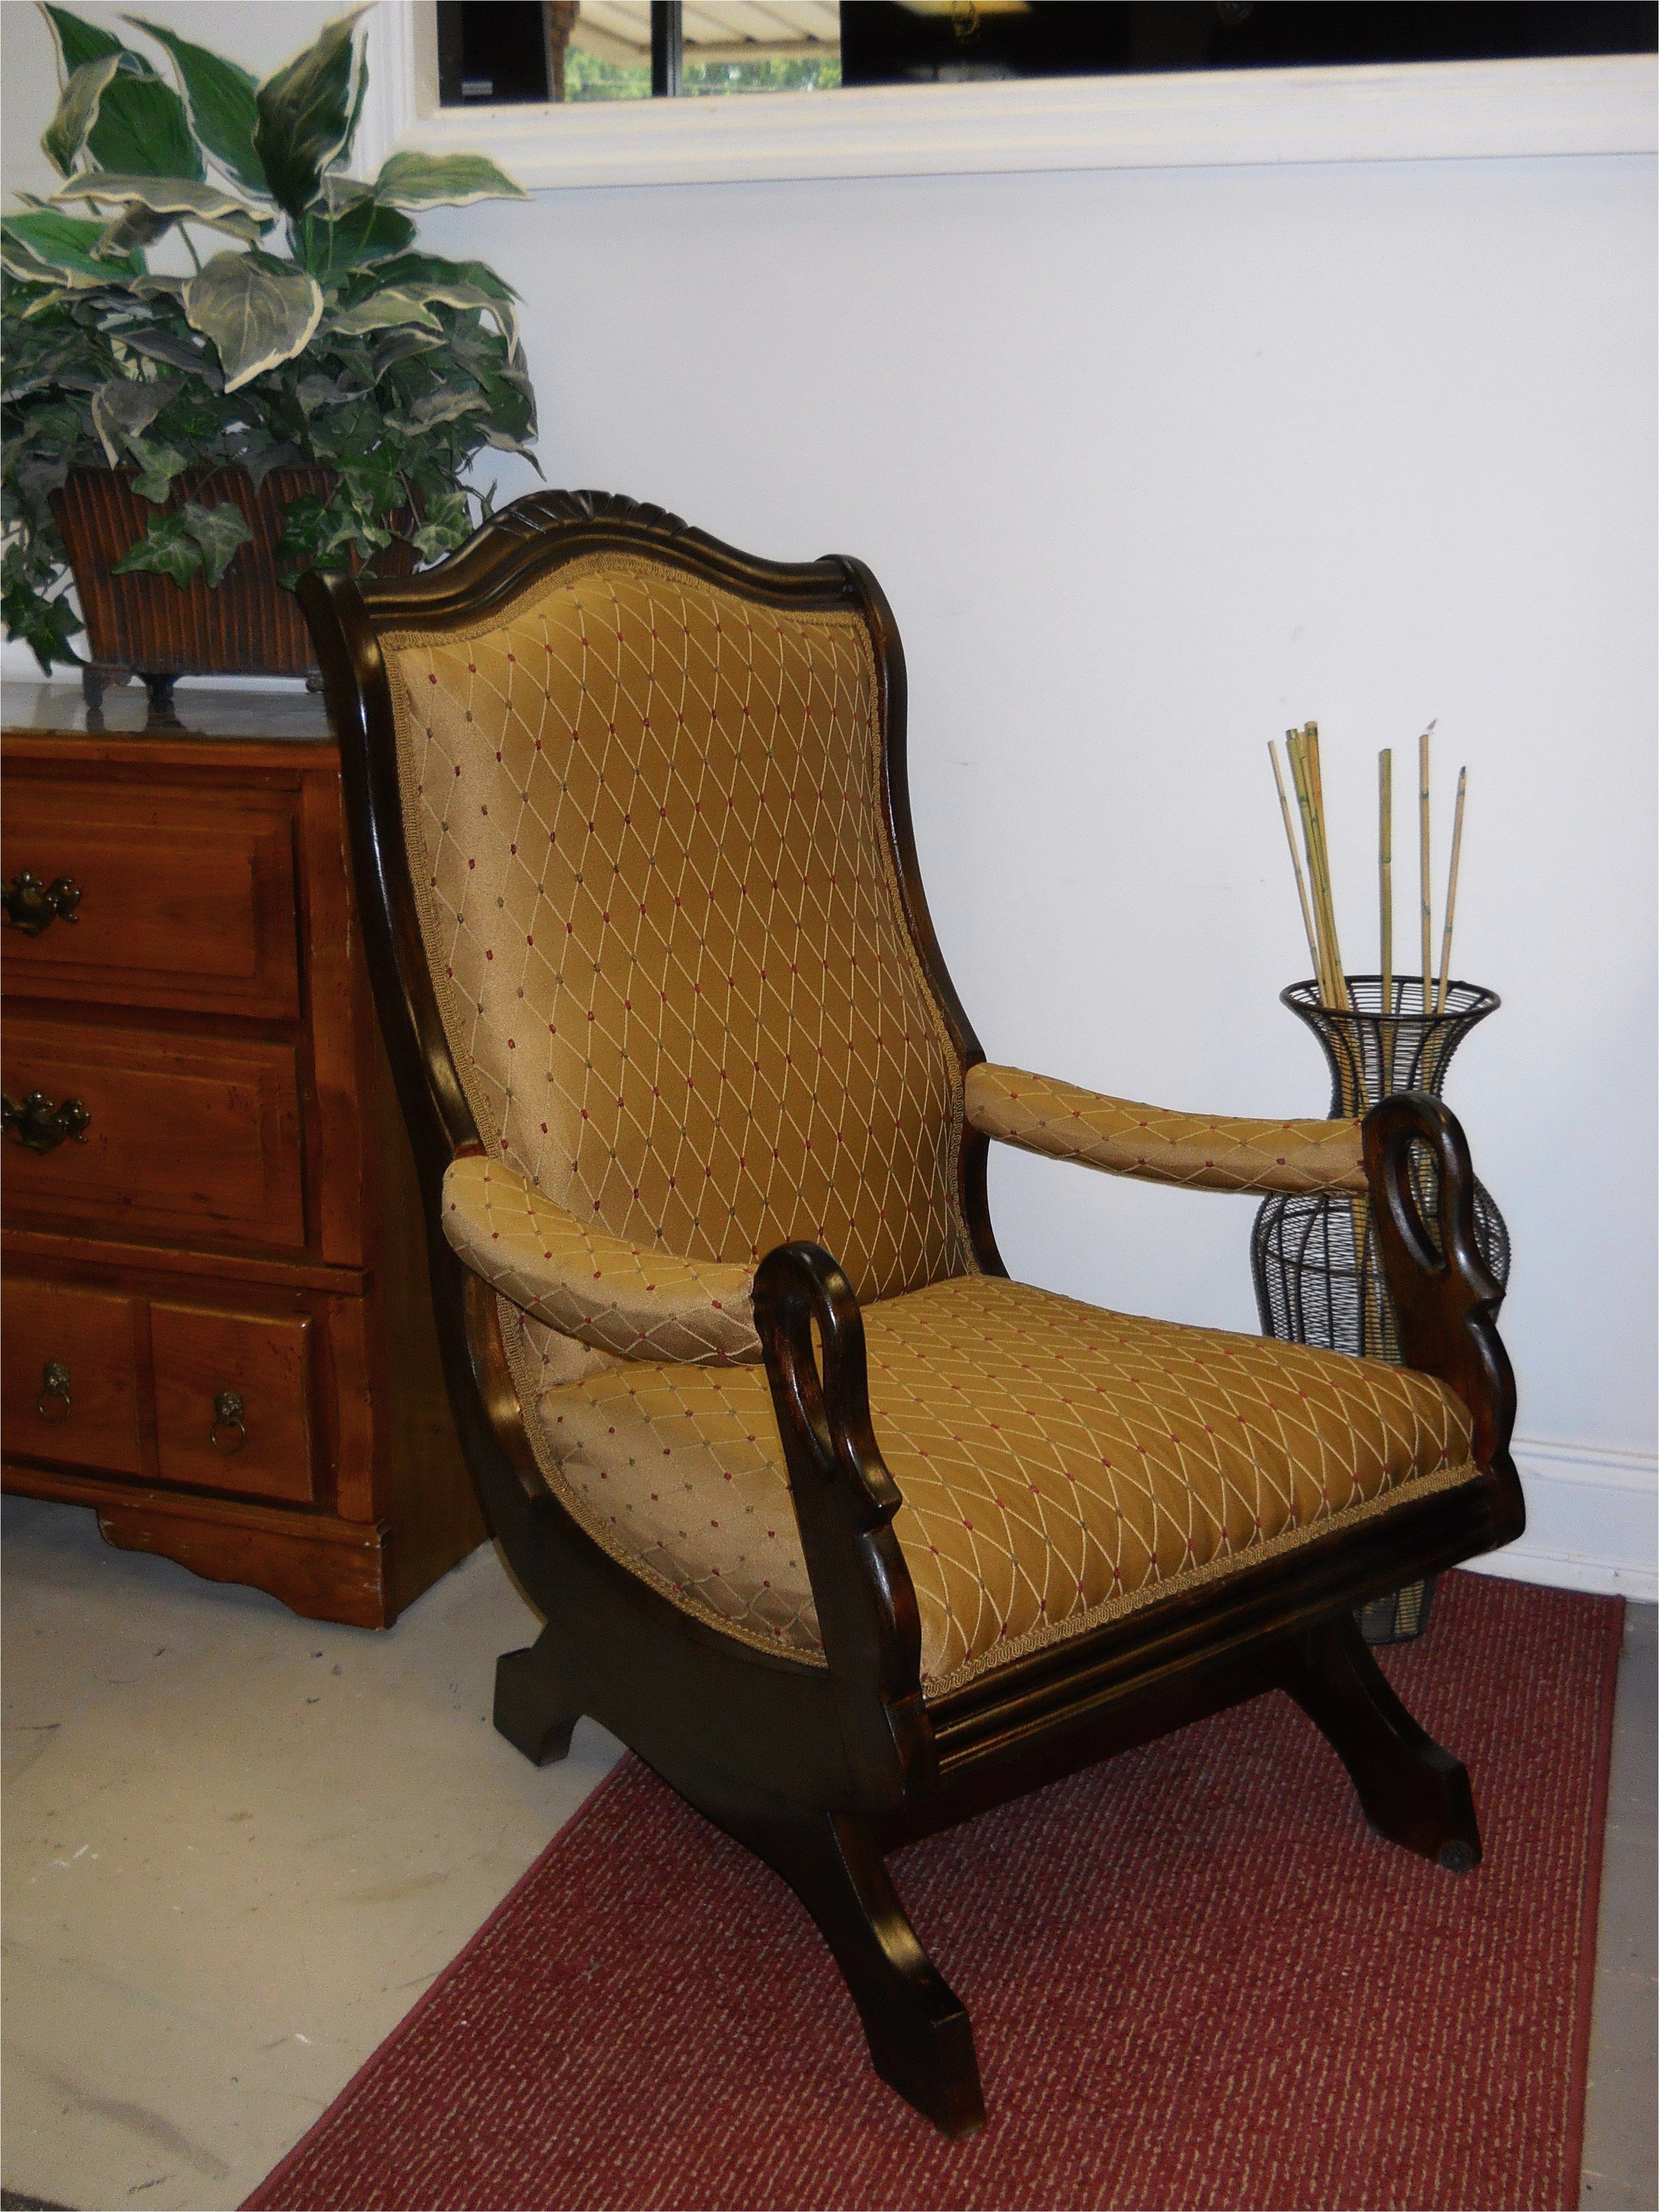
(648, 839)
(1159, 1144)
(616, 1296)
(1058, 1463)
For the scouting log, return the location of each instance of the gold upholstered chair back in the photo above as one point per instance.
(647, 833)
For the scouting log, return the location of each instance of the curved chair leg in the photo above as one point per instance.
(1416, 1793)
(920, 2041)
(532, 1710)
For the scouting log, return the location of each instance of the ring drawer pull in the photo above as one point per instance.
(33, 905)
(54, 1391)
(228, 1417)
(39, 1125)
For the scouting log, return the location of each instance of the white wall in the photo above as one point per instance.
(1153, 463)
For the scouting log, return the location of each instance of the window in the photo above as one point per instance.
(503, 52)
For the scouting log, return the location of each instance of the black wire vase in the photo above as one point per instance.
(1318, 1272)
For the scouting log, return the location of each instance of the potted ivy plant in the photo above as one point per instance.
(302, 388)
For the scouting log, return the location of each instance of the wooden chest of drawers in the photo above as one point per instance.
(216, 1328)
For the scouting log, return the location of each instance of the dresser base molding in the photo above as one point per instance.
(319, 1567)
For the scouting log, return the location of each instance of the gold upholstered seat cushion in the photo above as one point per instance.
(1059, 1464)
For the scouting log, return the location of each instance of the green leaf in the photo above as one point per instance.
(44, 625)
(177, 351)
(436, 407)
(366, 233)
(384, 311)
(256, 311)
(132, 232)
(66, 242)
(77, 112)
(142, 129)
(306, 115)
(171, 198)
(341, 193)
(219, 530)
(357, 99)
(222, 103)
(448, 523)
(125, 407)
(307, 529)
(403, 345)
(258, 452)
(78, 41)
(457, 284)
(424, 180)
(434, 268)
(167, 548)
(157, 467)
(315, 391)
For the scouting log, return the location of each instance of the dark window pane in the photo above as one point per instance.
(884, 42)
(496, 51)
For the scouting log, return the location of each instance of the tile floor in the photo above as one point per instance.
(238, 1845)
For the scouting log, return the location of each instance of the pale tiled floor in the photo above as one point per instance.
(239, 1844)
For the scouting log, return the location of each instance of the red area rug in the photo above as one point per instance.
(1195, 1979)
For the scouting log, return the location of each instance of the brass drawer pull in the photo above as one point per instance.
(54, 1391)
(41, 1125)
(33, 905)
(228, 1416)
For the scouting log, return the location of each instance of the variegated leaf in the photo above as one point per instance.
(220, 98)
(436, 407)
(258, 311)
(125, 407)
(171, 199)
(393, 309)
(411, 179)
(306, 114)
(77, 111)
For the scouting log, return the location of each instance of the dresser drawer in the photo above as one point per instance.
(187, 896)
(233, 1401)
(69, 1390)
(189, 1140)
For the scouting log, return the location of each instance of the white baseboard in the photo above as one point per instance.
(1592, 1521)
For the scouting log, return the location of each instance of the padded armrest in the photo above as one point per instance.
(1159, 1144)
(621, 1297)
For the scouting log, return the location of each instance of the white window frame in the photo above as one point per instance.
(1416, 111)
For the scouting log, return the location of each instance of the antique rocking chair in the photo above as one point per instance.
(844, 1532)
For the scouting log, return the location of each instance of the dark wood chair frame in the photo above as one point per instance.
(822, 1770)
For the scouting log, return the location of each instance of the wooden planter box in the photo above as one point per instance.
(246, 625)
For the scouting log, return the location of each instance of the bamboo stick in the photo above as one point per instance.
(1296, 858)
(1324, 902)
(1451, 891)
(1294, 749)
(1426, 883)
(1385, 870)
